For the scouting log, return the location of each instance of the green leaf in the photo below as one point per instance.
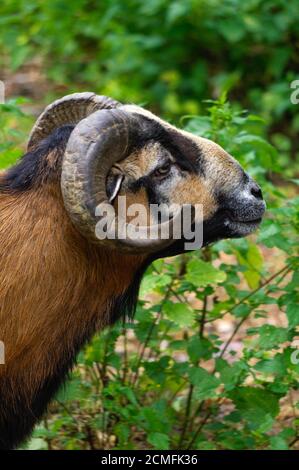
(152, 282)
(205, 383)
(155, 418)
(252, 259)
(202, 274)
(179, 313)
(158, 440)
(253, 278)
(257, 406)
(157, 370)
(36, 443)
(242, 310)
(254, 256)
(278, 443)
(230, 375)
(292, 313)
(276, 365)
(270, 336)
(199, 348)
(232, 29)
(71, 390)
(267, 232)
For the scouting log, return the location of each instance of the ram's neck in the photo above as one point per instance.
(56, 290)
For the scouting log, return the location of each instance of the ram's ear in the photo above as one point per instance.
(114, 183)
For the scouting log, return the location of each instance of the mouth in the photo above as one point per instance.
(224, 224)
(231, 224)
(241, 228)
(244, 222)
(249, 221)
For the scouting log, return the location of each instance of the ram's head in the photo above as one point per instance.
(123, 150)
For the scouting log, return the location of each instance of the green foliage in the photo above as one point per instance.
(169, 54)
(10, 136)
(169, 379)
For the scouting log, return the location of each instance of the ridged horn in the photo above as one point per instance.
(97, 142)
(70, 109)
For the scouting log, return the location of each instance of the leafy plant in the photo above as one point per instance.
(10, 135)
(170, 54)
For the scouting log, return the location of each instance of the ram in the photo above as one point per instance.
(60, 282)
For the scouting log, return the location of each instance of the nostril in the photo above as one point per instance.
(256, 191)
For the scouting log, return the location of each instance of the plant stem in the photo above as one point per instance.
(125, 362)
(187, 414)
(286, 268)
(285, 271)
(197, 432)
(149, 335)
(203, 317)
(296, 439)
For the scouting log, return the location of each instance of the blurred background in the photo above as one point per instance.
(167, 55)
(207, 361)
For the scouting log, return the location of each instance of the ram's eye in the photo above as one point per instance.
(163, 170)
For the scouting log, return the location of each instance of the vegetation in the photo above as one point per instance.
(210, 360)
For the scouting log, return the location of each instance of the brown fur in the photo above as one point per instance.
(55, 288)
(194, 191)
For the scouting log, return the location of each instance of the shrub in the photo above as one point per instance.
(12, 123)
(170, 54)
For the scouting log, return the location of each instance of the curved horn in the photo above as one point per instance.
(70, 109)
(96, 143)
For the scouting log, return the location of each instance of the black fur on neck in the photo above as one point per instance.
(34, 168)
